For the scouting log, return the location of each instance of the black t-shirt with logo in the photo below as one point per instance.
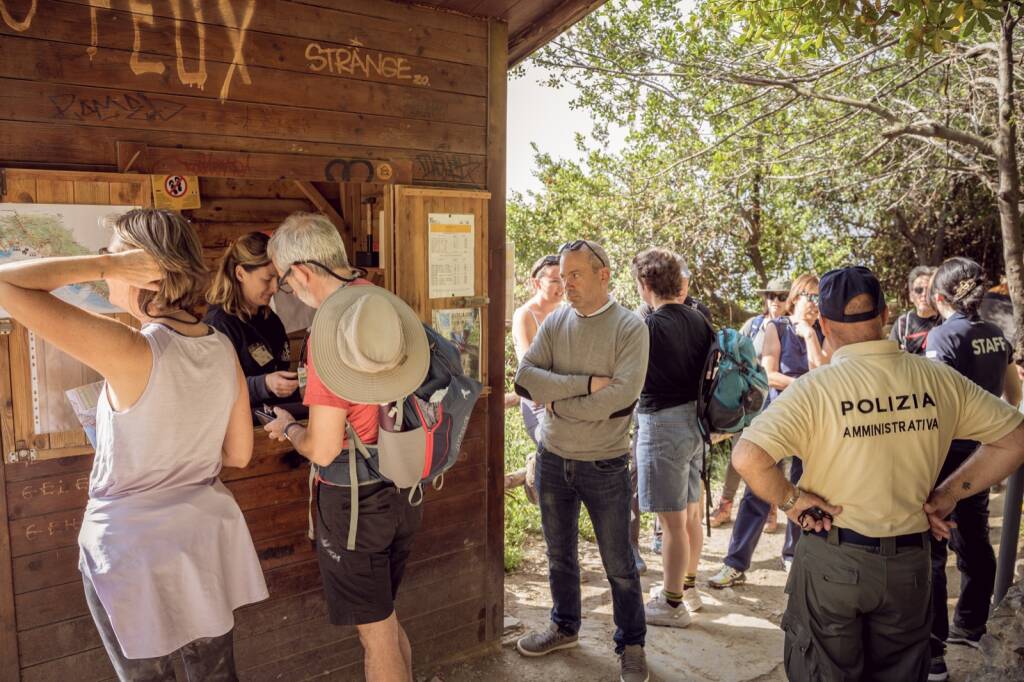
(911, 331)
(680, 340)
(262, 347)
(975, 348)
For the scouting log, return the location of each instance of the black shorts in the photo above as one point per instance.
(361, 585)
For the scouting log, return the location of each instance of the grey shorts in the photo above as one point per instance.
(668, 459)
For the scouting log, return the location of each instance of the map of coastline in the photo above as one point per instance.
(37, 231)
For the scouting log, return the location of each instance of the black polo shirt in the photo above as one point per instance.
(680, 341)
(262, 347)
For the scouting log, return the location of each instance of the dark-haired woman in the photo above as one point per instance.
(978, 350)
(668, 441)
(239, 297)
(165, 553)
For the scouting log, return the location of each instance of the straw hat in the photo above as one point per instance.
(368, 346)
(776, 285)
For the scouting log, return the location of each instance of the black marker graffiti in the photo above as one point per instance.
(136, 106)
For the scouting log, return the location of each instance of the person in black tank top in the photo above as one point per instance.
(978, 350)
(910, 330)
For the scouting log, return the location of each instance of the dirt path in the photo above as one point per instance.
(734, 638)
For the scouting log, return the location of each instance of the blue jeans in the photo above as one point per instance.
(603, 486)
(750, 520)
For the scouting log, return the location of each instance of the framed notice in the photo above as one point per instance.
(461, 326)
(451, 254)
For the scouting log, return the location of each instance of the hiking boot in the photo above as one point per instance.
(691, 600)
(545, 641)
(659, 612)
(937, 672)
(727, 577)
(772, 524)
(633, 664)
(958, 635)
(641, 565)
(722, 516)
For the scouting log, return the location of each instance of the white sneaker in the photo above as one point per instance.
(691, 599)
(659, 612)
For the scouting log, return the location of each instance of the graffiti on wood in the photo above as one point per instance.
(51, 528)
(136, 106)
(50, 488)
(448, 168)
(351, 61)
(205, 164)
(22, 24)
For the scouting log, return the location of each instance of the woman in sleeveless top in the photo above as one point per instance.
(792, 347)
(546, 285)
(165, 553)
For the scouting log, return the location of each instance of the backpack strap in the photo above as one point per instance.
(355, 445)
(311, 532)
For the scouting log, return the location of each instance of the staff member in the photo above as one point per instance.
(872, 428)
(978, 350)
(239, 297)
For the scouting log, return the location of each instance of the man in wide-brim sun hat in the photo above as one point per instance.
(367, 347)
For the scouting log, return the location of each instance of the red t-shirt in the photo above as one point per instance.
(363, 418)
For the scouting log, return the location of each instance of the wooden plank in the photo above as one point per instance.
(31, 144)
(60, 492)
(26, 471)
(20, 189)
(248, 210)
(21, 391)
(309, 22)
(89, 665)
(496, 313)
(536, 32)
(92, 107)
(322, 205)
(46, 532)
(8, 612)
(54, 190)
(51, 605)
(317, 87)
(88, 192)
(435, 193)
(55, 567)
(410, 14)
(240, 188)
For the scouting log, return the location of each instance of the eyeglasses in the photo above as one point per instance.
(575, 246)
(547, 262)
(809, 297)
(282, 283)
(919, 290)
(781, 298)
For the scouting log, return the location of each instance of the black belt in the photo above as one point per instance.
(852, 537)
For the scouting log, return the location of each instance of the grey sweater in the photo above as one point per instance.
(556, 371)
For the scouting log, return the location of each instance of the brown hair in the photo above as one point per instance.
(799, 285)
(658, 270)
(249, 251)
(173, 243)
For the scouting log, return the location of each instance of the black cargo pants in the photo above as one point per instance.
(857, 613)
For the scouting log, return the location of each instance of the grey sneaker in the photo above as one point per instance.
(545, 641)
(727, 577)
(958, 635)
(633, 664)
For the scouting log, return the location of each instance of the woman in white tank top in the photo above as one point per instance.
(165, 552)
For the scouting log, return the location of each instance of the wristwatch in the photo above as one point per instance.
(791, 500)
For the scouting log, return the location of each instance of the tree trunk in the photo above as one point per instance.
(1009, 181)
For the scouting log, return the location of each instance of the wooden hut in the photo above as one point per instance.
(388, 118)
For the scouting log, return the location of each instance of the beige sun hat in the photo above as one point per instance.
(368, 346)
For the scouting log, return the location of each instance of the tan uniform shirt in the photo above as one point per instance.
(873, 429)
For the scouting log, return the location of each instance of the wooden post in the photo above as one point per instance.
(497, 113)
(9, 664)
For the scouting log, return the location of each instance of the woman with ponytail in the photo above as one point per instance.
(978, 350)
(243, 284)
(165, 553)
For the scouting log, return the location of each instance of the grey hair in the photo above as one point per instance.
(307, 236)
(919, 271)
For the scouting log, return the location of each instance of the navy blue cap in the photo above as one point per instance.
(838, 287)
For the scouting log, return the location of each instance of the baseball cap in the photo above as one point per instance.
(838, 287)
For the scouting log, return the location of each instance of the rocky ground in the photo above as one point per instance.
(734, 638)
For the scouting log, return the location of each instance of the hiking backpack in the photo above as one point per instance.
(733, 386)
(419, 438)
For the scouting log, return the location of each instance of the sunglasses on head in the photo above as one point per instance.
(576, 245)
(547, 262)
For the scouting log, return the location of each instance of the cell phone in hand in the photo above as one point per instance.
(265, 414)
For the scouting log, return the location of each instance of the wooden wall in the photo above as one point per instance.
(284, 88)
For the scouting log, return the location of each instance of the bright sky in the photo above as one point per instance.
(539, 114)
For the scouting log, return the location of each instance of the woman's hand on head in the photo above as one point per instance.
(135, 268)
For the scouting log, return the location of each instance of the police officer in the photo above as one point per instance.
(872, 428)
(978, 350)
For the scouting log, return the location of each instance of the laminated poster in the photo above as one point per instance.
(451, 254)
(461, 326)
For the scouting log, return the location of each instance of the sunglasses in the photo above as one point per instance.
(282, 284)
(809, 297)
(919, 290)
(575, 246)
(781, 298)
(547, 262)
